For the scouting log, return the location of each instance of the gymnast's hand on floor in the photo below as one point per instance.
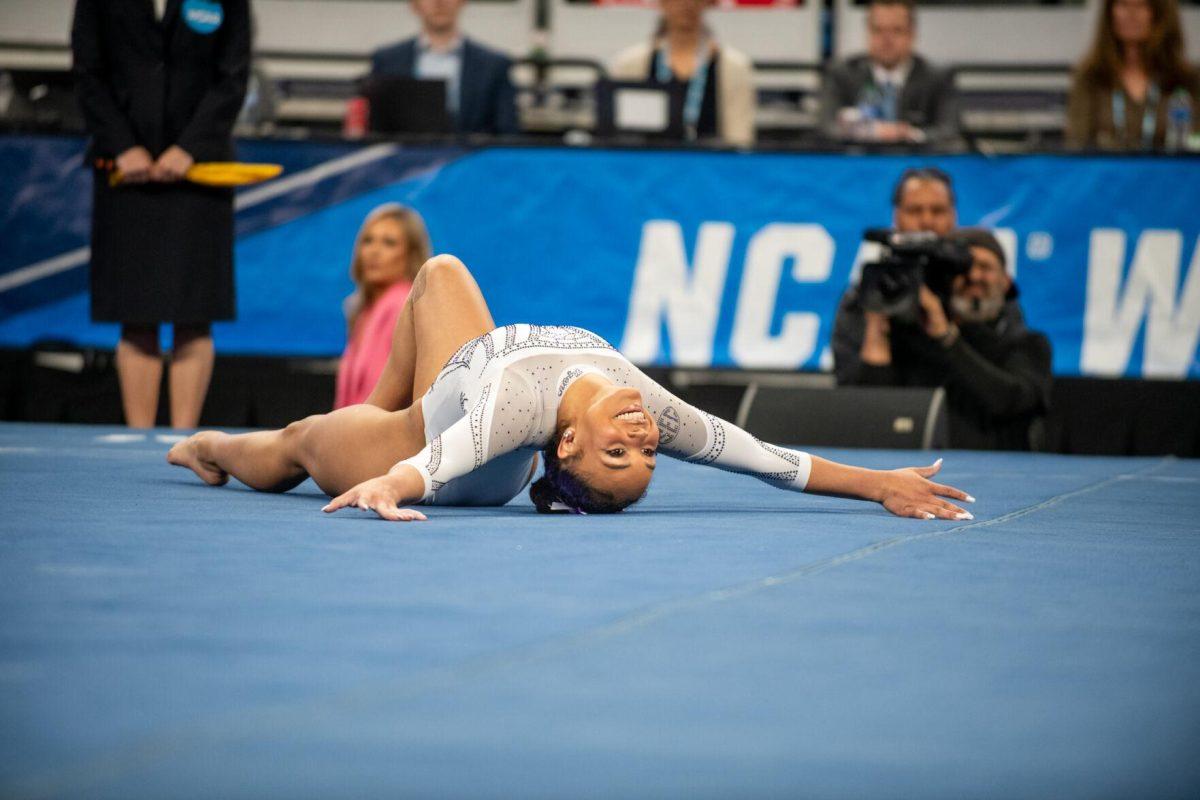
(909, 493)
(382, 495)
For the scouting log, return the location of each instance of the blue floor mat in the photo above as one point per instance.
(162, 638)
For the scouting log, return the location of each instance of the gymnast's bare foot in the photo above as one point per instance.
(187, 454)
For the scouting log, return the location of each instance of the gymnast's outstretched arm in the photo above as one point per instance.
(693, 435)
(908, 492)
(905, 492)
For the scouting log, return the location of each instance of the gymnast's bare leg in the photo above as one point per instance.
(346, 447)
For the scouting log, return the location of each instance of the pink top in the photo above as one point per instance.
(370, 343)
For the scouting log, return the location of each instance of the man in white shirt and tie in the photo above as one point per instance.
(890, 94)
(479, 94)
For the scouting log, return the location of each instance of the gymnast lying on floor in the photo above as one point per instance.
(491, 398)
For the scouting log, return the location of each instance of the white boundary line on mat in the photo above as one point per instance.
(247, 199)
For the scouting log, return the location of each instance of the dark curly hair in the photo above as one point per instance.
(560, 490)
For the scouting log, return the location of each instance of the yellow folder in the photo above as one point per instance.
(220, 173)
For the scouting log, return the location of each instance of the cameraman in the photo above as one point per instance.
(996, 372)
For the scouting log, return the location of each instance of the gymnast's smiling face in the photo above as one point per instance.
(613, 442)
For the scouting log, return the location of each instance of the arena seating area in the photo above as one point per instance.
(1012, 60)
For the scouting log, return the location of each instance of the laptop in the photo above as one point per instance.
(406, 105)
(641, 110)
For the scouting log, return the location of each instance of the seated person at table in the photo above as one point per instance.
(391, 246)
(995, 370)
(890, 94)
(479, 93)
(718, 80)
(1123, 88)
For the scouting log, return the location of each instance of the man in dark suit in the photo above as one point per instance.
(479, 93)
(890, 94)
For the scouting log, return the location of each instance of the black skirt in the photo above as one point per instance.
(161, 253)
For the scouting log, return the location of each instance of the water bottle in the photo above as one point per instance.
(870, 110)
(1179, 121)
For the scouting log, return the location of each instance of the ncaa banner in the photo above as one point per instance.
(736, 260)
(720, 260)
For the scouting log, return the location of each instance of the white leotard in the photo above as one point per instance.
(497, 398)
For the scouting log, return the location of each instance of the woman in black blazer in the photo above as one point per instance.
(160, 83)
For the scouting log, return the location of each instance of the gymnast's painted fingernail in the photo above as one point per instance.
(929, 516)
(964, 515)
(970, 499)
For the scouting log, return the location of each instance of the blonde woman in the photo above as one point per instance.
(391, 247)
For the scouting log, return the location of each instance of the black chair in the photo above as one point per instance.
(40, 100)
(852, 416)
(64, 382)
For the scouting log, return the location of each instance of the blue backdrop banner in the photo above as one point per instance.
(681, 258)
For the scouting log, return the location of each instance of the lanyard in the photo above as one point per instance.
(884, 98)
(1149, 116)
(887, 102)
(696, 84)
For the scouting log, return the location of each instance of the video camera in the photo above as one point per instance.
(892, 284)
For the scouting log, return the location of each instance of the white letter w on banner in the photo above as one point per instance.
(1112, 319)
(689, 299)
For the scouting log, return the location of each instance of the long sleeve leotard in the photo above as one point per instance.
(499, 394)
